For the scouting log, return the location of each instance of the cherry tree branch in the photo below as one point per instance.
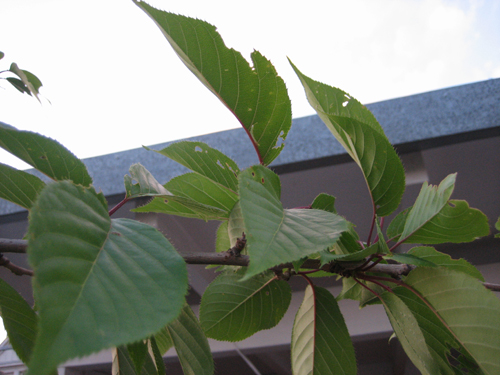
(233, 258)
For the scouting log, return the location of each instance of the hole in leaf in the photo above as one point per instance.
(280, 141)
(347, 96)
(198, 149)
(345, 103)
(220, 164)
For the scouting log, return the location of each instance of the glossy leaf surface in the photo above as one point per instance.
(44, 154)
(468, 310)
(19, 187)
(276, 235)
(359, 133)
(232, 310)
(320, 340)
(19, 320)
(98, 282)
(256, 95)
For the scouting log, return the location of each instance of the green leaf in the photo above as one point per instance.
(410, 259)
(185, 207)
(191, 344)
(138, 352)
(467, 309)
(19, 187)
(163, 341)
(256, 95)
(434, 219)
(19, 321)
(44, 154)
(438, 338)
(232, 310)
(222, 242)
(320, 340)
(19, 85)
(324, 202)
(30, 81)
(497, 227)
(203, 190)
(205, 160)
(146, 185)
(98, 282)
(235, 225)
(359, 133)
(2, 55)
(123, 363)
(275, 235)
(327, 257)
(397, 224)
(432, 255)
(409, 334)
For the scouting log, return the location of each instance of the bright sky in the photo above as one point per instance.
(114, 83)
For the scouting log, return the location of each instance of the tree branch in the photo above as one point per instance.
(229, 259)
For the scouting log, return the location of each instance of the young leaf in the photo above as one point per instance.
(205, 160)
(275, 235)
(409, 334)
(146, 185)
(98, 282)
(497, 227)
(256, 95)
(19, 321)
(327, 257)
(191, 344)
(434, 219)
(19, 187)
(320, 340)
(232, 310)
(410, 259)
(44, 154)
(432, 255)
(30, 81)
(364, 140)
(235, 225)
(222, 242)
(467, 309)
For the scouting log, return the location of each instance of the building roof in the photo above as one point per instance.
(411, 123)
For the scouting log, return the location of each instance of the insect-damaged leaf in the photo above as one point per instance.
(256, 95)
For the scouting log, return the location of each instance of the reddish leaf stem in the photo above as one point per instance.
(114, 209)
(373, 224)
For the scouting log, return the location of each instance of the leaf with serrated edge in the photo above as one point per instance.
(19, 187)
(409, 334)
(191, 344)
(320, 340)
(232, 310)
(274, 235)
(123, 363)
(441, 259)
(469, 310)
(205, 160)
(45, 154)
(256, 96)
(98, 282)
(19, 321)
(324, 202)
(359, 133)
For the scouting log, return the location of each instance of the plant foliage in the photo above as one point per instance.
(118, 283)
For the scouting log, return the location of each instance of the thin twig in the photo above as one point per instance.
(20, 271)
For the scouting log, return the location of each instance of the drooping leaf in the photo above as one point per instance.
(410, 335)
(191, 344)
(138, 353)
(275, 235)
(205, 160)
(98, 282)
(432, 255)
(145, 185)
(320, 340)
(467, 309)
(44, 154)
(163, 341)
(235, 225)
(123, 363)
(256, 95)
(19, 321)
(18, 85)
(363, 138)
(324, 202)
(30, 81)
(232, 310)
(438, 339)
(19, 187)
(435, 219)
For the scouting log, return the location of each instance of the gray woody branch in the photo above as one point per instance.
(228, 259)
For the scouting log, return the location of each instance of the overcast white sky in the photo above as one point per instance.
(114, 83)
